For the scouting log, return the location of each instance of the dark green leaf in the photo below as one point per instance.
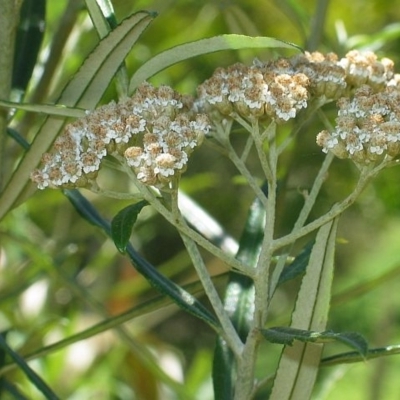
(298, 266)
(28, 41)
(122, 224)
(180, 296)
(354, 356)
(13, 390)
(223, 371)
(287, 335)
(29, 372)
(239, 300)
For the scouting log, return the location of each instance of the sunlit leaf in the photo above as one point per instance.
(49, 109)
(204, 46)
(299, 363)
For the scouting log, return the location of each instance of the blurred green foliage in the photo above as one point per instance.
(59, 276)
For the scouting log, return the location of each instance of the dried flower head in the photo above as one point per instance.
(155, 130)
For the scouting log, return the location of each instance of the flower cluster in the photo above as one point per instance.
(155, 130)
(367, 127)
(279, 89)
(255, 92)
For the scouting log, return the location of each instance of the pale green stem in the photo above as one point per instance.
(247, 148)
(366, 175)
(246, 367)
(222, 135)
(304, 213)
(229, 333)
(259, 144)
(241, 166)
(246, 364)
(148, 195)
(266, 254)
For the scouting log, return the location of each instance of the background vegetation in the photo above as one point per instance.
(59, 275)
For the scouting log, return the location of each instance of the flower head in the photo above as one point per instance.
(155, 130)
(367, 127)
(260, 91)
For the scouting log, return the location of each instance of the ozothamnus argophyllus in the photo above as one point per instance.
(154, 131)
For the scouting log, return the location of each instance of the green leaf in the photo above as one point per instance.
(180, 296)
(28, 371)
(11, 389)
(287, 336)
(204, 46)
(28, 41)
(354, 356)
(299, 364)
(298, 266)
(49, 109)
(101, 12)
(239, 300)
(104, 20)
(122, 224)
(83, 91)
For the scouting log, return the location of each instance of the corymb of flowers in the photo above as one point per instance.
(153, 132)
(156, 129)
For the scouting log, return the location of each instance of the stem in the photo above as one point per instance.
(9, 17)
(222, 135)
(240, 165)
(229, 333)
(246, 363)
(365, 177)
(304, 213)
(183, 228)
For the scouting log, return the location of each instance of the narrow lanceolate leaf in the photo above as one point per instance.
(181, 297)
(28, 371)
(354, 356)
(299, 364)
(288, 336)
(83, 91)
(204, 46)
(239, 301)
(29, 39)
(49, 109)
(122, 224)
(298, 266)
(100, 11)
